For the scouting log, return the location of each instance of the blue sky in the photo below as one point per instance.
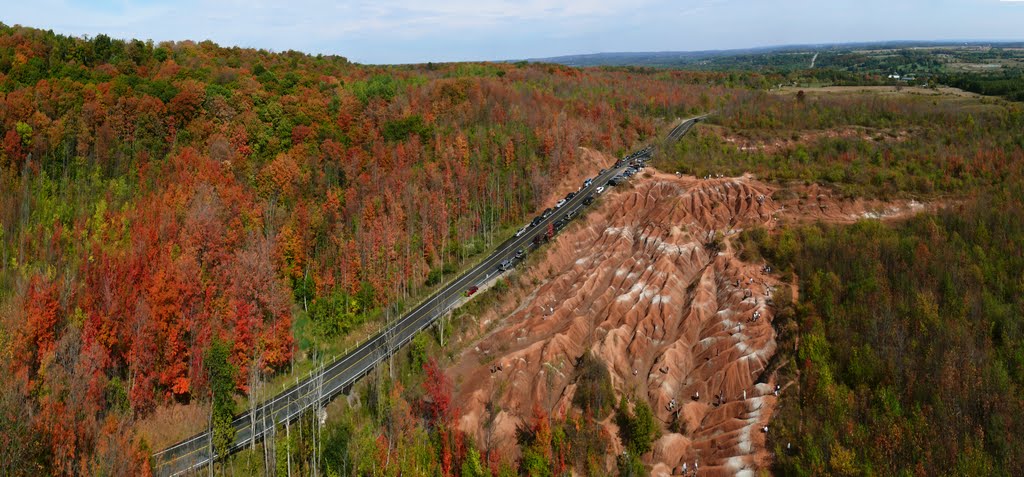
(403, 31)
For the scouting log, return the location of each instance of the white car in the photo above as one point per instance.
(599, 189)
(521, 232)
(560, 204)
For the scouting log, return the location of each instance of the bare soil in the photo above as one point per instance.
(634, 283)
(782, 143)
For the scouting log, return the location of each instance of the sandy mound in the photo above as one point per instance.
(813, 202)
(685, 327)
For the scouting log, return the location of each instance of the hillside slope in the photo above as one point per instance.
(637, 285)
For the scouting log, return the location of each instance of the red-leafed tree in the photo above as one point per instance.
(165, 300)
(42, 309)
(438, 399)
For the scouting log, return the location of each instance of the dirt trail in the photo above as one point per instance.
(677, 324)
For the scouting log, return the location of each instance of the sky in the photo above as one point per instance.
(409, 31)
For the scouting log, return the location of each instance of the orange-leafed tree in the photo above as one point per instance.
(438, 399)
(42, 313)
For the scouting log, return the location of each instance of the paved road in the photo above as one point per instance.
(335, 378)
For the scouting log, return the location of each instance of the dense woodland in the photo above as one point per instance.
(171, 213)
(907, 346)
(861, 144)
(160, 198)
(905, 351)
(1007, 83)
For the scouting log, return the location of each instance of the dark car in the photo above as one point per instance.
(536, 220)
(589, 200)
(570, 195)
(602, 171)
(471, 290)
(546, 214)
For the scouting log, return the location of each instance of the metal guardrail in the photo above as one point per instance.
(310, 390)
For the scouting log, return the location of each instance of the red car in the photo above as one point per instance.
(471, 290)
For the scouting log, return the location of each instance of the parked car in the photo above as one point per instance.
(505, 265)
(587, 183)
(471, 290)
(521, 232)
(560, 204)
(536, 220)
(570, 195)
(546, 214)
(589, 200)
(520, 253)
(599, 189)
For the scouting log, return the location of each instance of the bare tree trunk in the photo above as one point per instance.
(266, 445)
(211, 440)
(254, 390)
(321, 411)
(288, 446)
(440, 330)
(305, 276)
(25, 207)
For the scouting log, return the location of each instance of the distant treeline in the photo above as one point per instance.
(1008, 84)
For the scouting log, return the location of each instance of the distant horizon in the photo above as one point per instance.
(766, 47)
(949, 42)
(408, 32)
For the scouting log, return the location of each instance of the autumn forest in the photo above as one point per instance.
(182, 221)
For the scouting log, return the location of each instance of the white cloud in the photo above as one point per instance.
(403, 30)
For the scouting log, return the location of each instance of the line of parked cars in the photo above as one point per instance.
(636, 162)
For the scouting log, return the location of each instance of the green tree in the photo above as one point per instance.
(25, 131)
(594, 393)
(472, 466)
(630, 465)
(638, 428)
(534, 464)
(222, 386)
